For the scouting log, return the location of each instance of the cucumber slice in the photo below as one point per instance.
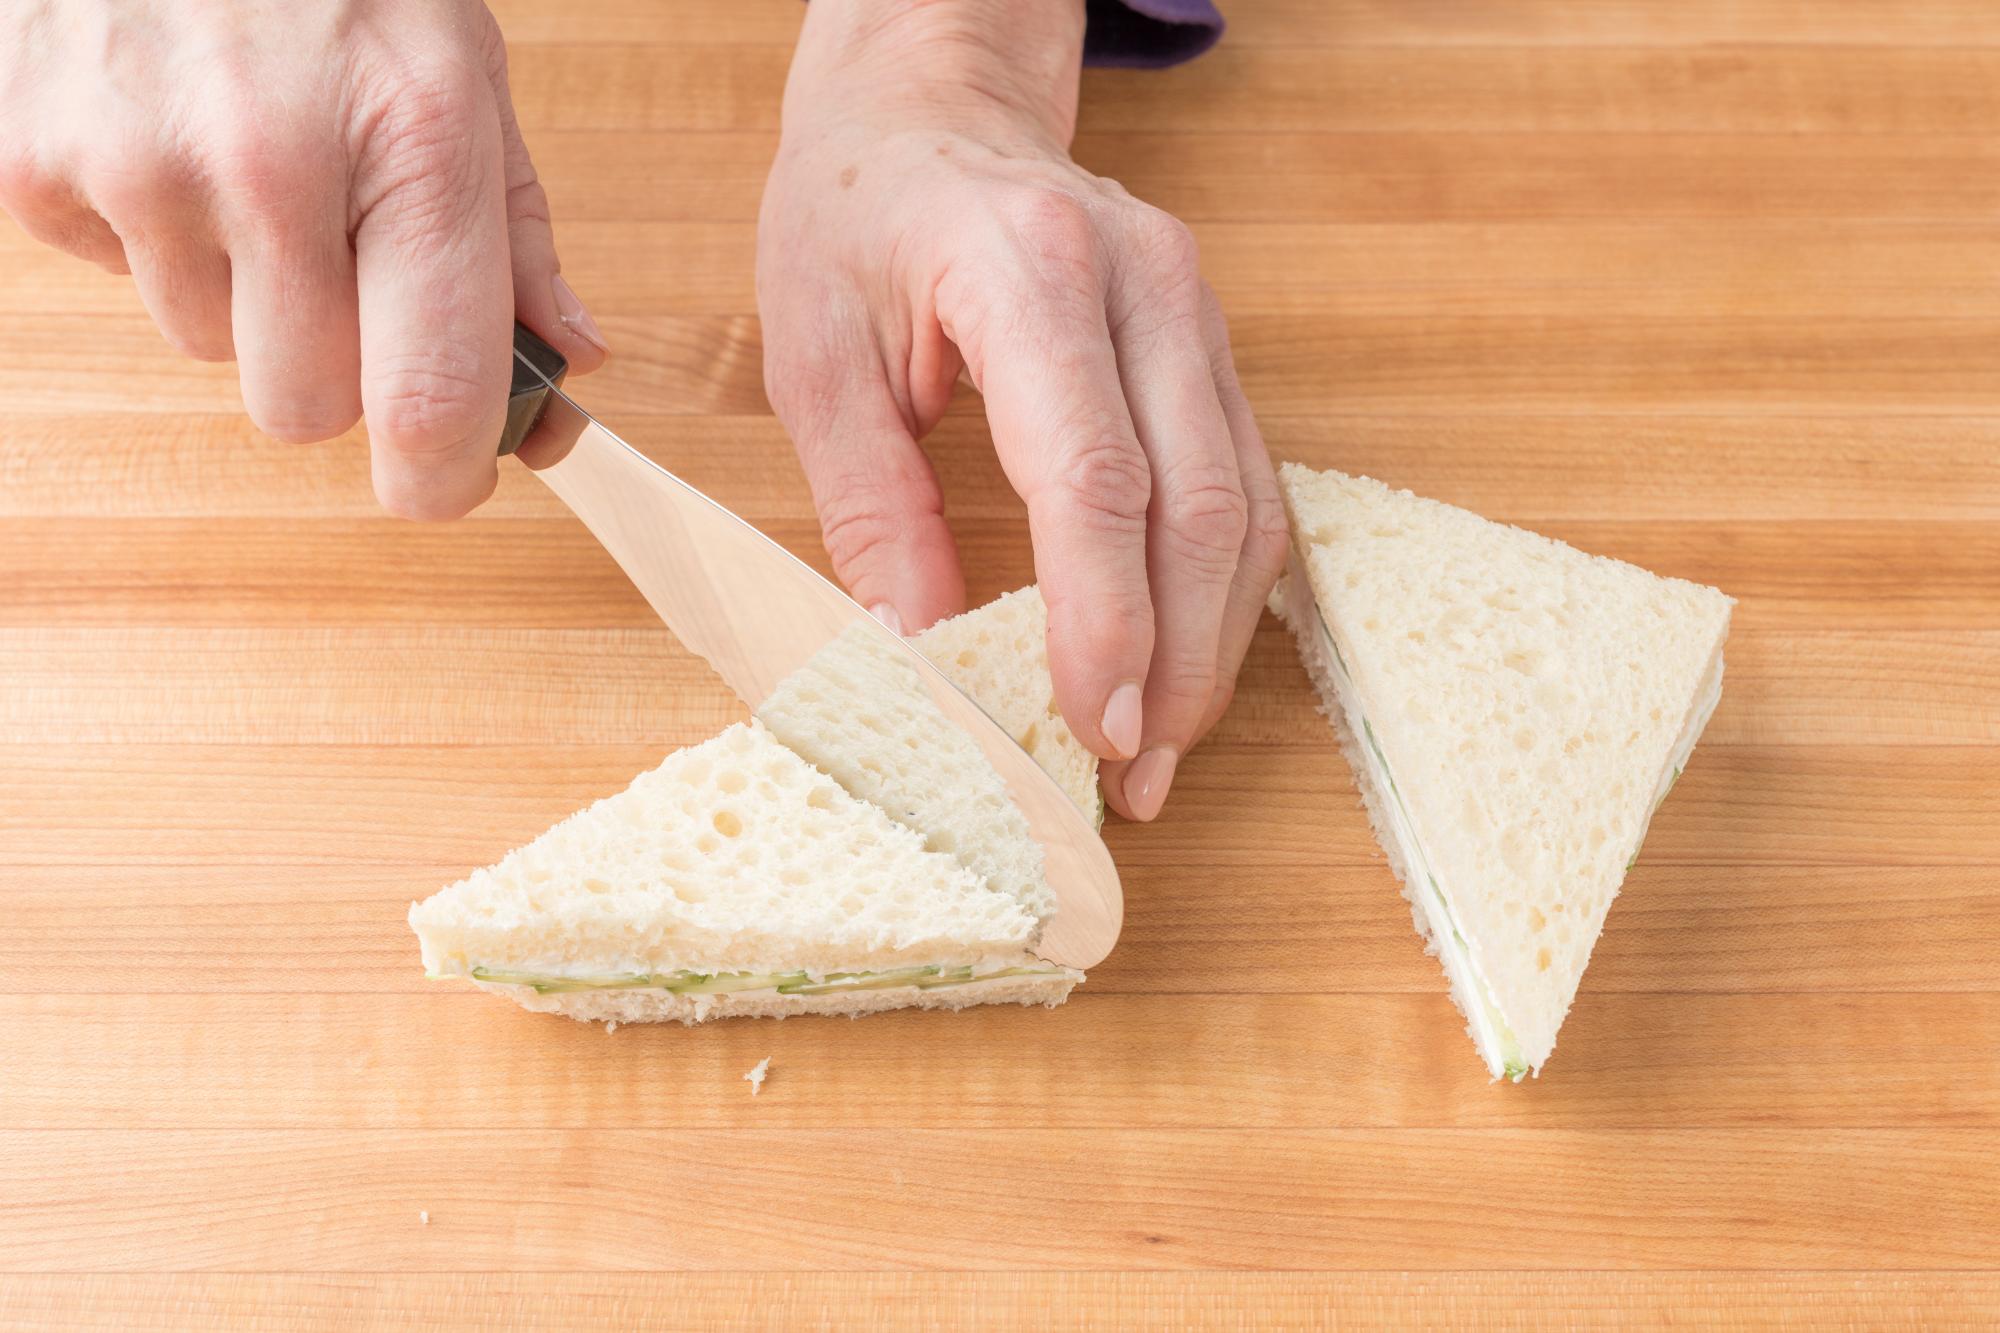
(836, 984)
(951, 976)
(695, 983)
(727, 983)
(545, 984)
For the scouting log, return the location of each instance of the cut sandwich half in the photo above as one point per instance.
(999, 655)
(1514, 711)
(740, 879)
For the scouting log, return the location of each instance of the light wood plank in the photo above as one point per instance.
(1530, 89)
(1486, 176)
(740, 1303)
(1352, 23)
(695, 365)
(1805, 577)
(1762, 89)
(627, 173)
(1290, 364)
(763, 1200)
(124, 465)
(276, 805)
(1679, 269)
(625, 22)
(1318, 177)
(454, 1059)
(436, 685)
(1529, 469)
(1294, 365)
(1200, 926)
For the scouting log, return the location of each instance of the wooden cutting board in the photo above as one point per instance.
(1711, 285)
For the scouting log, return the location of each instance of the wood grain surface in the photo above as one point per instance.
(1712, 285)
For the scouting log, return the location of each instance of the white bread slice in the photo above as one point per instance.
(657, 1006)
(932, 787)
(860, 711)
(999, 655)
(733, 856)
(1514, 710)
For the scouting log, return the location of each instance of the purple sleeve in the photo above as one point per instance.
(1149, 34)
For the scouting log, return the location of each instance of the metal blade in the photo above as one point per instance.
(759, 615)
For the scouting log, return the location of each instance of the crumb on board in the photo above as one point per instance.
(610, 1026)
(757, 1076)
(424, 1217)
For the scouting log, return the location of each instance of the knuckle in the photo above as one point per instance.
(128, 182)
(1203, 509)
(1108, 622)
(1163, 283)
(419, 145)
(1108, 482)
(260, 169)
(527, 201)
(1058, 234)
(428, 409)
(806, 373)
(1165, 245)
(1267, 545)
(861, 518)
(1185, 683)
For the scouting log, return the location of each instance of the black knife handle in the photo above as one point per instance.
(538, 368)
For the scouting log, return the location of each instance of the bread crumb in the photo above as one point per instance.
(757, 1076)
(610, 1026)
(424, 1218)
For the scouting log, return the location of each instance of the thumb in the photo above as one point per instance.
(880, 509)
(542, 299)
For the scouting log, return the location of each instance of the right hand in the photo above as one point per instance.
(335, 196)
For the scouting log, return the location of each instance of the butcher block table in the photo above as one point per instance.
(1709, 285)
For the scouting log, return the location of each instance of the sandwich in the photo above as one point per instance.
(1513, 711)
(846, 851)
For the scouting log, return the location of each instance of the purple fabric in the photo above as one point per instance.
(1149, 34)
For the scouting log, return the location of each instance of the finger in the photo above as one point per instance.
(435, 295)
(1067, 444)
(183, 280)
(295, 313)
(543, 300)
(880, 508)
(1267, 535)
(53, 213)
(168, 245)
(1198, 514)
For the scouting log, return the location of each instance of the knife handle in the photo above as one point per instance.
(538, 368)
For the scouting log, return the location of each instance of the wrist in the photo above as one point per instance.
(1009, 66)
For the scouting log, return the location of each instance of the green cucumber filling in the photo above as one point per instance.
(730, 983)
(1512, 1065)
(1658, 801)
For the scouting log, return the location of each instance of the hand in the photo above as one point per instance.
(924, 216)
(335, 195)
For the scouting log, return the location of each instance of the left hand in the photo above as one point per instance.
(924, 216)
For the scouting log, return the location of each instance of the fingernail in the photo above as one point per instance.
(1146, 782)
(887, 614)
(569, 309)
(1121, 720)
